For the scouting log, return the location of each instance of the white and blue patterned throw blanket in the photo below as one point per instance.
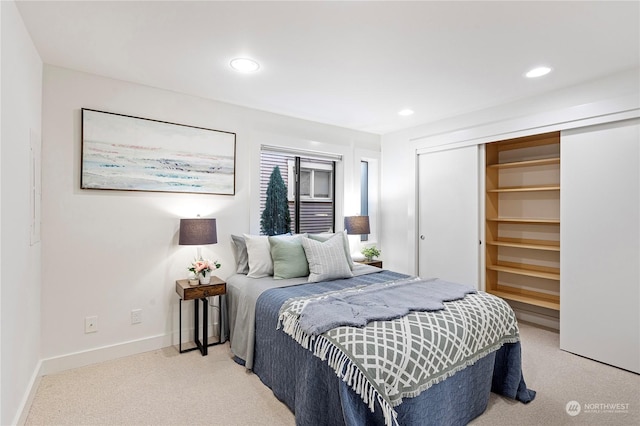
(388, 360)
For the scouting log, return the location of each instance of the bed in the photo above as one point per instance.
(334, 377)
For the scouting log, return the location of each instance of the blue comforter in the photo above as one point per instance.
(378, 302)
(311, 389)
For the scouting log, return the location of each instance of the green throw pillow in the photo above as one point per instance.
(289, 260)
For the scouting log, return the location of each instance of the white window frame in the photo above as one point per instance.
(312, 167)
(373, 189)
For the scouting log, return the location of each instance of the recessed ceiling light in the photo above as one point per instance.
(538, 72)
(244, 65)
(405, 112)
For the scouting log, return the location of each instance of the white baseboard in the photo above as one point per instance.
(80, 359)
(93, 356)
(105, 353)
(536, 317)
(27, 399)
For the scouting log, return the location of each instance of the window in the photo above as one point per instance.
(316, 180)
(364, 193)
(313, 209)
(367, 164)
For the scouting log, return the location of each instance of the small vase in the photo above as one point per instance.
(205, 277)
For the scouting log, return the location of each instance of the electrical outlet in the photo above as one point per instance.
(136, 316)
(91, 324)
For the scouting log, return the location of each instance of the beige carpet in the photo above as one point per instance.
(166, 388)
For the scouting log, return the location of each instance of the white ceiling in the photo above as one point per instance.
(350, 64)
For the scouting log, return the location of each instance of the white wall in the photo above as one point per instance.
(21, 261)
(613, 97)
(108, 252)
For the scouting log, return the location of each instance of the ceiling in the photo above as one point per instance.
(350, 64)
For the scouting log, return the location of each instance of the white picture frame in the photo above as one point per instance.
(121, 152)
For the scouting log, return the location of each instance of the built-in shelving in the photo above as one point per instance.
(523, 270)
(522, 220)
(526, 188)
(527, 244)
(528, 163)
(539, 299)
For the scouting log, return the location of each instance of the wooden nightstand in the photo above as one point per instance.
(200, 292)
(376, 263)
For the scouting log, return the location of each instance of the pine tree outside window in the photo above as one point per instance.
(315, 204)
(275, 218)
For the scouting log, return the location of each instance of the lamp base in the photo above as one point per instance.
(357, 256)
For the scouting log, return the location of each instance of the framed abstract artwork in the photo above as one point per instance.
(139, 154)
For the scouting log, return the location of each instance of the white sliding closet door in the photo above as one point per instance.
(449, 215)
(600, 243)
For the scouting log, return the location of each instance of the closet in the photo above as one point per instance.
(522, 230)
(600, 237)
(448, 208)
(561, 220)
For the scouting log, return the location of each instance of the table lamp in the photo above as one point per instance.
(198, 232)
(357, 225)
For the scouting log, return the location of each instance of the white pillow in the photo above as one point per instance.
(259, 252)
(326, 259)
(240, 254)
(345, 240)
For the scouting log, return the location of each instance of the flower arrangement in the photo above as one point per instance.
(203, 265)
(370, 253)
